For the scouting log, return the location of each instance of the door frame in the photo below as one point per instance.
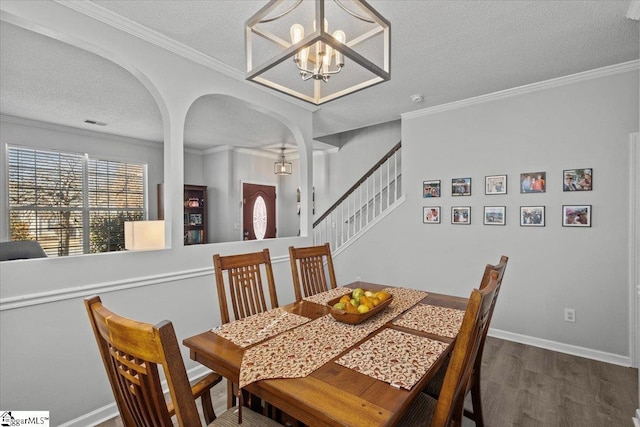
(241, 219)
(634, 253)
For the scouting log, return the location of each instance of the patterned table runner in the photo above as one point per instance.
(259, 327)
(300, 351)
(324, 297)
(395, 357)
(432, 319)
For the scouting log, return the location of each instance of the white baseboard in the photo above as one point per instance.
(588, 353)
(110, 411)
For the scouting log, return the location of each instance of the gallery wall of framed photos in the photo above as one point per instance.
(574, 211)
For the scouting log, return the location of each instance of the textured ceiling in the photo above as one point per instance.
(444, 50)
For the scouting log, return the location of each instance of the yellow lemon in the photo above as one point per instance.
(362, 308)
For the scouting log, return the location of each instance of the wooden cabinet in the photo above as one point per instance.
(194, 204)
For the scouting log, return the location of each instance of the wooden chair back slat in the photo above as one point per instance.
(245, 284)
(450, 405)
(308, 270)
(131, 352)
(499, 268)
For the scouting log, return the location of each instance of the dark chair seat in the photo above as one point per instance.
(21, 249)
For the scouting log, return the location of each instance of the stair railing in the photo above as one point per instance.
(370, 197)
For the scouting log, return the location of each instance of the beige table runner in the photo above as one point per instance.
(300, 351)
(324, 297)
(432, 319)
(259, 327)
(395, 357)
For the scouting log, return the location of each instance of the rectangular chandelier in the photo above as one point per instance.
(318, 50)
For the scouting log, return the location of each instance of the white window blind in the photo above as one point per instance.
(70, 203)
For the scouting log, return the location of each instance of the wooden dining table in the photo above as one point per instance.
(331, 395)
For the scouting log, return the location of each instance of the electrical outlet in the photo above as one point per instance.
(569, 314)
(358, 278)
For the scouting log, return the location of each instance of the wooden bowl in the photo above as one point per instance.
(355, 318)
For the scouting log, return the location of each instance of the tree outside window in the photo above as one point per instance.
(70, 203)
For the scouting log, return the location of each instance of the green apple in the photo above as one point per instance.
(357, 292)
(340, 306)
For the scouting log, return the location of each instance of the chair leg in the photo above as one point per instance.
(231, 394)
(207, 408)
(477, 404)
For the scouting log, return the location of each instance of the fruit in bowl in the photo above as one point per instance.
(359, 305)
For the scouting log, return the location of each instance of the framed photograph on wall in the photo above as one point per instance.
(495, 215)
(576, 215)
(461, 215)
(461, 187)
(431, 188)
(533, 182)
(495, 184)
(577, 180)
(532, 216)
(431, 214)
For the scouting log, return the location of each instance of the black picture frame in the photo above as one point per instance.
(495, 215)
(533, 182)
(461, 187)
(461, 215)
(431, 188)
(532, 216)
(576, 215)
(431, 214)
(495, 184)
(577, 179)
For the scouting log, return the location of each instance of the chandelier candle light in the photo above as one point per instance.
(357, 48)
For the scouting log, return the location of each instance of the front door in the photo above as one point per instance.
(258, 211)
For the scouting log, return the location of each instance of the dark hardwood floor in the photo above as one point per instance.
(525, 386)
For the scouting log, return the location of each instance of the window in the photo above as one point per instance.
(73, 204)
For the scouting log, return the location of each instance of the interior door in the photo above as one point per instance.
(258, 211)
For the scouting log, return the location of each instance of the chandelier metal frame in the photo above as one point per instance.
(254, 27)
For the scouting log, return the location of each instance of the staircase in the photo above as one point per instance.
(369, 200)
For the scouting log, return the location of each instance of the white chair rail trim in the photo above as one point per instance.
(28, 300)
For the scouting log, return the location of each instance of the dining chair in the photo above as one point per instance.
(245, 284)
(131, 352)
(447, 410)
(308, 270)
(434, 386)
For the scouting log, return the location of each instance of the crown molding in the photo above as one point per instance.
(533, 87)
(122, 23)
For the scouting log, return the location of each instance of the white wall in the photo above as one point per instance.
(33, 134)
(585, 124)
(336, 172)
(48, 358)
(223, 172)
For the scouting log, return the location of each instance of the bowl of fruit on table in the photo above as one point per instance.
(359, 305)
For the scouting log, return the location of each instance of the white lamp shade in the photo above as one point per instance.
(143, 235)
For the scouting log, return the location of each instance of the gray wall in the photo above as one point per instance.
(585, 124)
(33, 134)
(335, 172)
(48, 357)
